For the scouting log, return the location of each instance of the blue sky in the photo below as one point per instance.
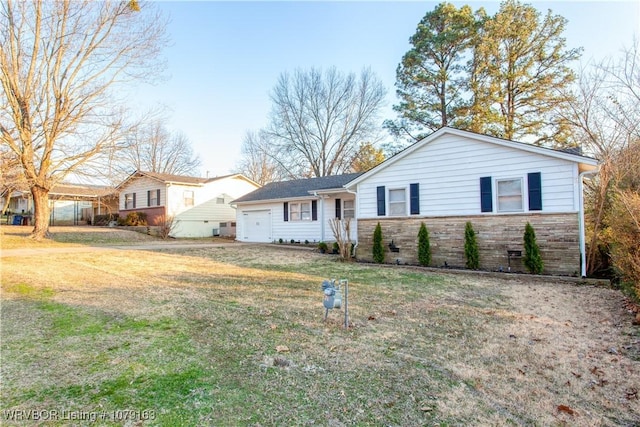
(225, 57)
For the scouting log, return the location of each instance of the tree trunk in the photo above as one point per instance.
(40, 212)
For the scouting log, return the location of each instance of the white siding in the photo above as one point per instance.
(206, 214)
(449, 169)
(313, 231)
(140, 186)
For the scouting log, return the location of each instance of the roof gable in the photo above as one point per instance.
(586, 163)
(297, 188)
(167, 178)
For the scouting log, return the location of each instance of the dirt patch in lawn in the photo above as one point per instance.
(235, 335)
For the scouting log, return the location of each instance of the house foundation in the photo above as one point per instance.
(500, 238)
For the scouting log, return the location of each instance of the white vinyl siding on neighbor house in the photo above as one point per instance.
(141, 187)
(448, 170)
(211, 205)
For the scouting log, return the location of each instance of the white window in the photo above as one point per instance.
(188, 197)
(348, 209)
(509, 195)
(130, 201)
(300, 211)
(397, 202)
(154, 197)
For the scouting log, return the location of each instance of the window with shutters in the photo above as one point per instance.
(509, 195)
(348, 209)
(397, 202)
(300, 211)
(129, 201)
(154, 197)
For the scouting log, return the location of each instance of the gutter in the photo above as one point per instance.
(583, 255)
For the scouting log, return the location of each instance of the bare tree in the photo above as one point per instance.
(606, 118)
(341, 229)
(319, 118)
(60, 61)
(11, 176)
(257, 163)
(152, 148)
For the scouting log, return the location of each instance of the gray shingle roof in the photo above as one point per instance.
(296, 188)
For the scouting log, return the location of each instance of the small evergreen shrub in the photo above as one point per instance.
(532, 258)
(336, 248)
(471, 251)
(378, 247)
(280, 240)
(424, 246)
(323, 247)
(292, 241)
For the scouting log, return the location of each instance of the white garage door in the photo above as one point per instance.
(256, 226)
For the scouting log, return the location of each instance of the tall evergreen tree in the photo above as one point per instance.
(430, 79)
(521, 72)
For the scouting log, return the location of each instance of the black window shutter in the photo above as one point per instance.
(158, 196)
(134, 200)
(414, 196)
(148, 197)
(381, 201)
(338, 208)
(286, 211)
(486, 196)
(314, 210)
(534, 180)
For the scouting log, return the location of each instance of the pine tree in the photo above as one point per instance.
(431, 75)
(532, 258)
(424, 246)
(522, 72)
(378, 247)
(471, 251)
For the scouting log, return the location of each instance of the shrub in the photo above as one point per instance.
(471, 251)
(292, 241)
(136, 218)
(336, 248)
(532, 258)
(103, 220)
(378, 247)
(280, 240)
(166, 225)
(323, 247)
(424, 246)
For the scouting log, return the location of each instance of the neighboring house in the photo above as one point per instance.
(295, 210)
(199, 206)
(69, 204)
(454, 176)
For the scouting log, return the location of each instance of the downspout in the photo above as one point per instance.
(583, 255)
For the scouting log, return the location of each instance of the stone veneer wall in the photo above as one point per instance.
(557, 236)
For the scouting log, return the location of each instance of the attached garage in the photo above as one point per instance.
(256, 226)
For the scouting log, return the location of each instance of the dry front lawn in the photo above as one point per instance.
(234, 335)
